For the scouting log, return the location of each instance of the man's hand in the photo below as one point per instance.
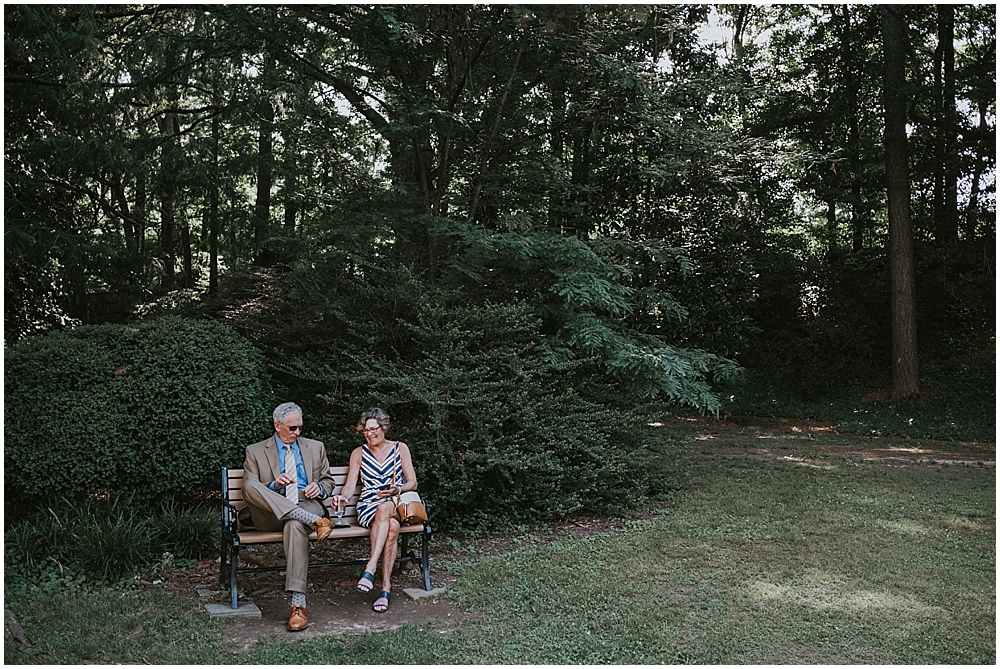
(311, 491)
(282, 481)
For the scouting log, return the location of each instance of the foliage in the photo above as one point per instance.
(958, 402)
(187, 532)
(825, 326)
(499, 434)
(101, 541)
(644, 208)
(151, 408)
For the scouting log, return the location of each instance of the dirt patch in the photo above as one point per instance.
(799, 439)
(781, 425)
(334, 606)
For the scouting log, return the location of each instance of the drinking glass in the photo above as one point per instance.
(341, 506)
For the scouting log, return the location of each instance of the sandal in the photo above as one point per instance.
(381, 608)
(360, 587)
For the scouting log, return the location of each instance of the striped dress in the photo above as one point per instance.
(375, 474)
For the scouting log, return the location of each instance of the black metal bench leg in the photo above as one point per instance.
(425, 565)
(404, 550)
(223, 563)
(234, 560)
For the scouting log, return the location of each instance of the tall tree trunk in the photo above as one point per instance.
(265, 167)
(291, 195)
(905, 375)
(188, 261)
(488, 144)
(949, 127)
(831, 226)
(852, 83)
(129, 225)
(972, 211)
(557, 141)
(213, 193)
(213, 240)
(140, 211)
(169, 161)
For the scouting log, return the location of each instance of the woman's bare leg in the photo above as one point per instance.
(388, 562)
(389, 552)
(379, 534)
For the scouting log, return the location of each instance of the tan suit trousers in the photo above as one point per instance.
(265, 506)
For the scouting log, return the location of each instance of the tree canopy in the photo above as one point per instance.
(658, 201)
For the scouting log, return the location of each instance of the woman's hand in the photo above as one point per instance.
(391, 491)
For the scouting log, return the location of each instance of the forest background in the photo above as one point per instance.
(526, 231)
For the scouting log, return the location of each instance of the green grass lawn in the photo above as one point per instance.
(816, 559)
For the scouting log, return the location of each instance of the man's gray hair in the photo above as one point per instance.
(282, 411)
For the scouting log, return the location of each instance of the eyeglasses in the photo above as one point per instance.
(293, 428)
(371, 429)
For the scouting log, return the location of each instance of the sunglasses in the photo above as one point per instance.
(293, 428)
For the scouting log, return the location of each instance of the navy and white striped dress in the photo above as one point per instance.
(375, 474)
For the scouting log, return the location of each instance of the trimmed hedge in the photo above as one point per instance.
(153, 407)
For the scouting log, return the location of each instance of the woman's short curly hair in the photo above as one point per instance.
(378, 414)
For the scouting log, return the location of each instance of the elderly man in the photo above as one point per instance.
(285, 478)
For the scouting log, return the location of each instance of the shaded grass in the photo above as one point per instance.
(819, 560)
(111, 626)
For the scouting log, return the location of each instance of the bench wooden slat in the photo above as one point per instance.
(354, 531)
(236, 495)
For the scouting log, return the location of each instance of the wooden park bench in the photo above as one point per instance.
(236, 536)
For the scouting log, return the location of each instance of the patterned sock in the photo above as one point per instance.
(298, 599)
(303, 515)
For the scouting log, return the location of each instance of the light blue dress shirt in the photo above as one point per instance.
(301, 477)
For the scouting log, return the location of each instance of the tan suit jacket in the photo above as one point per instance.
(261, 467)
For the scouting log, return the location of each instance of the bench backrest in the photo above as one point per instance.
(234, 488)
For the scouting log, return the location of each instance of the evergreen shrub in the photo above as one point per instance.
(499, 435)
(152, 408)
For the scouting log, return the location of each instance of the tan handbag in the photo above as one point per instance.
(409, 506)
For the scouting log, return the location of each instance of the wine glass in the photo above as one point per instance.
(340, 505)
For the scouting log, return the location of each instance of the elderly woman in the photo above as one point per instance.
(386, 471)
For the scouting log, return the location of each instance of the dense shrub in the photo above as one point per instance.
(499, 434)
(154, 407)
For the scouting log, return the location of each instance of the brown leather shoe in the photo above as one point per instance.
(298, 620)
(323, 527)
